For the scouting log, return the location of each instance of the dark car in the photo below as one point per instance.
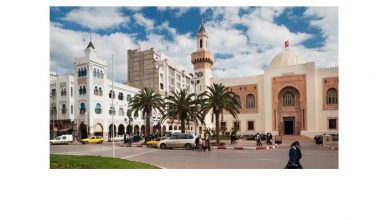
(318, 139)
(136, 138)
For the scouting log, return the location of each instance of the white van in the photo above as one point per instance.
(63, 139)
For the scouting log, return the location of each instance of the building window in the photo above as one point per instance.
(250, 101)
(82, 108)
(63, 92)
(96, 91)
(82, 90)
(63, 110)
(128, 98)
(161, 86)
(331, 96)
(71, 91)
(120, 96)
(223, 126)
(332, 123)
(251, 126)
(288, 99)
(111, 94)
(100, 91)
(236, 125)
(98, 108)
(71, 109)
(112, 111)
(121, 112)
(94, 72)
(53, 93)
(201, 43)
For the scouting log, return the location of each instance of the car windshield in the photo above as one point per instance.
(58, 138)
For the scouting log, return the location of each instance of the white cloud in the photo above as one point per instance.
(251, 50)
(143, 21)
(65, 45)
(96, 18)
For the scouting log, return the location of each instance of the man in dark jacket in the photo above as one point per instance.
(299, 154)
(293, 157)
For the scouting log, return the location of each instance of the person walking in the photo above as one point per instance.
(292, 157)
(258, 140)
(197, 143)
(231, 138)
(270, 139)
(207, 143)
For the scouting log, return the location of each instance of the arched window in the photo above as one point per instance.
(63, 110)
(101, 74)
(98, 108)
(94, 72)
(121, 112)
(288, 99)
(84, 90)
(201, 43)
(111, 94)
(71, 91)
(120, 96)
(100, 91)
(85, 71)
(331, 96)
(96, 91)
(250, 101)
(78, 72)
(236, 97)
(128, 98)
(80, 90)
(82, 108)
(112, 111)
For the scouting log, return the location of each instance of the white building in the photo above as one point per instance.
(81, 102)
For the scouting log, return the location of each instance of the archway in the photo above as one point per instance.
(121, 129)
(129, 129)
(110, 130)
(83, 131)
(98, 130)
(175, 128)
(143, 130)
(289, 111)
(170, 127)
(136, 129)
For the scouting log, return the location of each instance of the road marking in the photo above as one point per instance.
(82, 152)
(268, 159)
(134, 155)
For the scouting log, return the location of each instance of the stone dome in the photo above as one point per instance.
(285, 58)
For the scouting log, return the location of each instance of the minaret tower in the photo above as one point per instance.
(203, 60)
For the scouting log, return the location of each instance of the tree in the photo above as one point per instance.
(145, 101)
(218, 98)
(184, 107)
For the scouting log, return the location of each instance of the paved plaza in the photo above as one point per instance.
(314, 156)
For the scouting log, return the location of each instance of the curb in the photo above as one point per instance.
(247, 148)
(329, 147)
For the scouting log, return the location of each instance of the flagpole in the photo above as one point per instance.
(113, 112)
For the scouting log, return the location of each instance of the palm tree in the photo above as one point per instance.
(219, 99)
(183, 106)
(146, 100)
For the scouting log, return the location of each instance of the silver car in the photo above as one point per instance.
(178, 140)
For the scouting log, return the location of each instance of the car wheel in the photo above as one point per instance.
(163, 146)
(188, 146)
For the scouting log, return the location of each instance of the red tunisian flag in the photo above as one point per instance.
(286, 44)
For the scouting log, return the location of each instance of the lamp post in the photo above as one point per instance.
(195, 78)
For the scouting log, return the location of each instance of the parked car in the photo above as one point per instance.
(136, 138)
(155, 142)
(63, 139)
(93, 139)
(318, 139)
(178, 140)
(117, 138)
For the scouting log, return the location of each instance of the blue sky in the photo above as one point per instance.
(243, 39)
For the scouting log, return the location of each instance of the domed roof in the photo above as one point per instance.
(285, 58)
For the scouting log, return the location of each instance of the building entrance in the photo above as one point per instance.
(289, 125)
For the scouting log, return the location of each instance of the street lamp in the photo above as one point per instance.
(195, 78)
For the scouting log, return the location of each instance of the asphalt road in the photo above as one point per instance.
(314, 156)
